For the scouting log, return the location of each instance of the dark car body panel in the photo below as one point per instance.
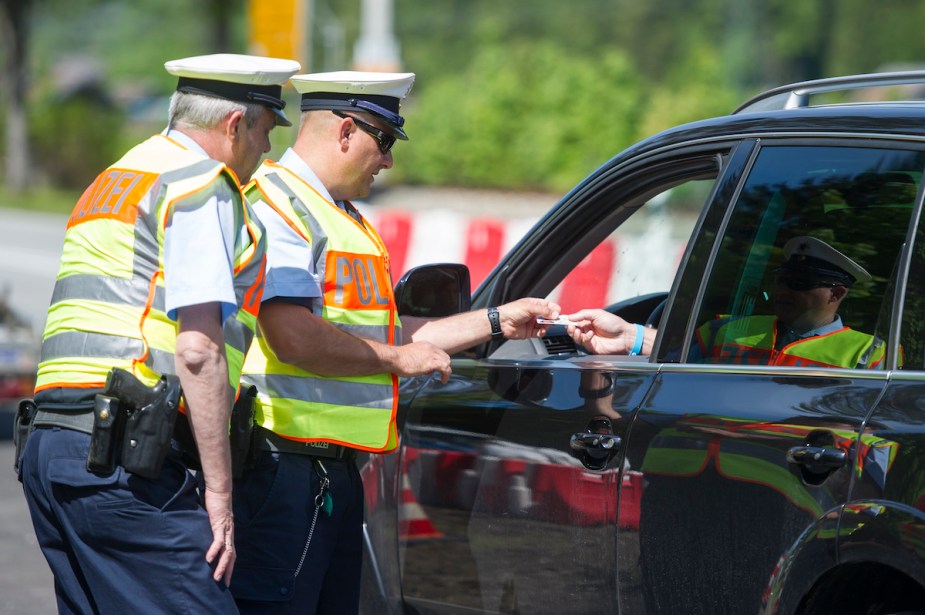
(693, 487)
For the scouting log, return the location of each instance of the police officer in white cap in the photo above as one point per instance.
(331, 349)
(805, 329)
(161, 275)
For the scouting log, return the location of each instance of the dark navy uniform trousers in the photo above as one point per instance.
(274, 508)
(119, 543)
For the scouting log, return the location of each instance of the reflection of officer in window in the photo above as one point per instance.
(805, 329)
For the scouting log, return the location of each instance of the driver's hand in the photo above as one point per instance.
(602, 332)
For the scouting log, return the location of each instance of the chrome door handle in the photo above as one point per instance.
(817, 456)
(586, 441)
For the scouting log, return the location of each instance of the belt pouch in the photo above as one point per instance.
(104, 439)
(242, 431)
(22, 427)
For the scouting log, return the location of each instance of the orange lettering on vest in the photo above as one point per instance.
(251, 303)
(114, 194)
(356, 282)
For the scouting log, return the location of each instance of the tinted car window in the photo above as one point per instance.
(912, 329)
(857, 200)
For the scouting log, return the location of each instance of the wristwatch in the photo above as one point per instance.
(494, 317)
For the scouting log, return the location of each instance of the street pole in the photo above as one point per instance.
(377, 48)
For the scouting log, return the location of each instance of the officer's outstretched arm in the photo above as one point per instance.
(517, 320)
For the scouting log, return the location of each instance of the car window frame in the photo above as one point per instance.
(727, 208)
(579, 224)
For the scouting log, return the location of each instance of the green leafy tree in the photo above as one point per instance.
(14, 33)
(505, 122)
(514, 94)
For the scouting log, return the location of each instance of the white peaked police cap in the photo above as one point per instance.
(377, 93)
(242, 78)
(810, 255)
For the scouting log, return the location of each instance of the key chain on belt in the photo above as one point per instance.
(323, 503)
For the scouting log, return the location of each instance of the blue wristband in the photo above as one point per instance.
(637, 344)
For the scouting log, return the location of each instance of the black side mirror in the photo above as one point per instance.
(434, 291)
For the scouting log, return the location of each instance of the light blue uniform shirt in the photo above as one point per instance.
(290, 265)
(199, 249)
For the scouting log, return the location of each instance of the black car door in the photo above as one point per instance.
(507, 517)
(516, 488)
(742, 455)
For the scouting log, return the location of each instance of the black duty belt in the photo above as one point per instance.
(76, 419)
(268, 441)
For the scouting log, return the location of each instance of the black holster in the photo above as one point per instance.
(22, 428)
(133, 424)
(241, 433)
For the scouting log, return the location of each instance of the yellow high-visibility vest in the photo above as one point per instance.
(353, 265)
(108, 305)
(750, 341)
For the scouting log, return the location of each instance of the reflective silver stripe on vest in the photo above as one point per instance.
(100, 345)
(237, 334)
(319, 244)
(323, 390)
(375, 332)
(146, 247)
(104, 288)
(875, 344)
(318, 237)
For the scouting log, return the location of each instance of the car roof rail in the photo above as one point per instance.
(796, 95)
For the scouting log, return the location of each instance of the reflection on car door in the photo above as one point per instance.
(722, 502)
(740, 461)
(520, 521)
(514, 471)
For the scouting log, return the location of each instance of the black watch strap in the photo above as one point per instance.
(494, 317)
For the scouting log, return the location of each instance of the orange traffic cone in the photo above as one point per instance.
(413, 522)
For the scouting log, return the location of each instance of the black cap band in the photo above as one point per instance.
(383, 107)
(267, 95)
(316, 101)
(817, 267)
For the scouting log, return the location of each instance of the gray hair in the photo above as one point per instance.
(204, 112)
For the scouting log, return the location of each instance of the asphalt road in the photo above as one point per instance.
(28, 264)
(29, 256)
(26, 585)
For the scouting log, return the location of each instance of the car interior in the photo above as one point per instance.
(834, 193)
(831, 193)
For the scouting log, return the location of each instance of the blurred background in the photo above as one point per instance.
(515, 95)
(515, 100)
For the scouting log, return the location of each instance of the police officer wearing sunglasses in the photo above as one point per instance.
(331, 348)
(805, 329)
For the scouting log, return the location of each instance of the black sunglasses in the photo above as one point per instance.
(383, 139)
(804, 284)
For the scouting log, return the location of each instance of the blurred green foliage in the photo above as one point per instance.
(503, 122)
(41, 198)
(75, 138)
(519, 94)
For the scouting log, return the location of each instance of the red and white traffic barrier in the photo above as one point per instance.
(624, 265)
